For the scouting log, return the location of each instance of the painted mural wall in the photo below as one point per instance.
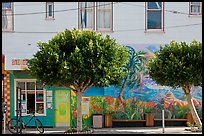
(144, 96)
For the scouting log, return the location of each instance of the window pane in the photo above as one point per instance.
(21, 85)
(154, 20)
(103, 19)
(39, 96)
(30, 85)
(30, 102)
(50, 10)
(154, 5)
(86, 19)
(23, 95)
(86, 5)
(39, 86)
(195, 9)
(195, 3)
(104, 5)
(40, 108)
(6, 5)
(86, 15)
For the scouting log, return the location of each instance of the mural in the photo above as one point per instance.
(140, 95)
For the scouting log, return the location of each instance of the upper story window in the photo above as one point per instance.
(6, 5)
(195, 8)
(154, 12)
(104, 16)
(7, 16)
(95, 16)
(86, 15)
(49, 10)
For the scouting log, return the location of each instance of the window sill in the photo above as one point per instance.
(154, 31)
(49, 19)
(7, 31)
(105, 31)
(195, 15)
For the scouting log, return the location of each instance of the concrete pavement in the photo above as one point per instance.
(121, 130)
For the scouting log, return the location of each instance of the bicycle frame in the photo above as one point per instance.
(26, 123)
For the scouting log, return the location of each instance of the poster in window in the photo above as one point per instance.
(23, 106)
(49, 99)
(49, 93)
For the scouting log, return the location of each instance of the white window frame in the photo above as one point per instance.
(93, 17)
(195, 13)
(95, 13)
(44, 96)
(47, 10)
(10, 16)
(111, 18)
(162, 18)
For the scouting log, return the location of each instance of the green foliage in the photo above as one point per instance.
(181, 111)
(177, 64)
(148, 109)
(79, 56)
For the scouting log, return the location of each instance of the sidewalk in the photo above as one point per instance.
(122, 130)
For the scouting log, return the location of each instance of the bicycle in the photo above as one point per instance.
(14, 124)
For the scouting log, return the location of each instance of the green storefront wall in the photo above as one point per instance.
(49, 119)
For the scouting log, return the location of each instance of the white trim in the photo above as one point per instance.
(195, 13)
(44, 93)
(47, 10)
(162, 18)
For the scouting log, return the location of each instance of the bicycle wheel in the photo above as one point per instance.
(39, 126)
(13, 125)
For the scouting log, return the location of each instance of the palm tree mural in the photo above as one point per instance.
(135, 69)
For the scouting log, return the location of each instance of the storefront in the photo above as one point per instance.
(51, 105)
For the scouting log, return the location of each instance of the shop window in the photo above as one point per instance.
(195, 8)
(7, 16)
(154, 16)
(32, 97)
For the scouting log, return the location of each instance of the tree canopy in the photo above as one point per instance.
(177, 64)
(80, 57)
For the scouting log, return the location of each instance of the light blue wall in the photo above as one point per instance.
(125, 17)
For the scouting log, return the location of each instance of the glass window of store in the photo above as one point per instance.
(32, 97)
(154, 16)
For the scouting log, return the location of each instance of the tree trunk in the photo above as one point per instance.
(192, 107)
(79, 110)
(121, 94)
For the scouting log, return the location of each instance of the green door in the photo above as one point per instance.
(62, 108)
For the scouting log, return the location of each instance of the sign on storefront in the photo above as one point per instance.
(16, 63)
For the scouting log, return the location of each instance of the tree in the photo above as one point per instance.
(78, 60)
(134, 69)
(179, 65)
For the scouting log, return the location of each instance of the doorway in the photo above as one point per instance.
(62, 108)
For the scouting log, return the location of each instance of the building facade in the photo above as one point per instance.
(142, 25)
